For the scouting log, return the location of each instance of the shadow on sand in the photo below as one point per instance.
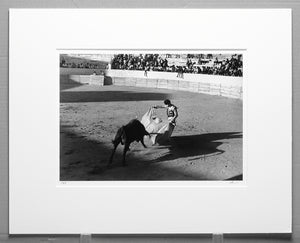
(197, 145)
(105, 96)
(236, 178)
(69, 85)
(83, 159)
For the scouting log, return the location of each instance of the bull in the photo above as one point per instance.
(133, 131)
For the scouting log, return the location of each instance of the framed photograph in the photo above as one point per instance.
(150, 128)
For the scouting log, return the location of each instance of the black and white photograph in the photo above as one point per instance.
(151, 116)
(141, 130)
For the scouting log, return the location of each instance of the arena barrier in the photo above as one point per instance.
(82, 79)
(227, 86)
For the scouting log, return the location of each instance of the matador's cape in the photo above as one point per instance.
(159, 130)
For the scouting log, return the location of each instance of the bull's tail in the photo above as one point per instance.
(146, 133)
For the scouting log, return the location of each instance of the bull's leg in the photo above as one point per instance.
(126, 148)
(113, 152)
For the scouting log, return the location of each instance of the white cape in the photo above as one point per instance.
(160, 131)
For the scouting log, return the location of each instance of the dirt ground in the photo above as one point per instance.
(206, 143)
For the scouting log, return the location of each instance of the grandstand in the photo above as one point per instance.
(215, 64)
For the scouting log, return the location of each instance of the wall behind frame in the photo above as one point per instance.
(6, 4)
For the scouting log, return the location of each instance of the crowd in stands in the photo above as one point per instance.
(154, 62)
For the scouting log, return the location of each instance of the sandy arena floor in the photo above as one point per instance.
(206, 143)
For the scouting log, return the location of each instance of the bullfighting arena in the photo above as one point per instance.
(206, 143)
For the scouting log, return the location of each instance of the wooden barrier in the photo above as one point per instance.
(200, 83)
(173, 84)
(162, 84)
(207, 84)
(82, 79)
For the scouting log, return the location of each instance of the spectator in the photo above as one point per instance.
(155, 62)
